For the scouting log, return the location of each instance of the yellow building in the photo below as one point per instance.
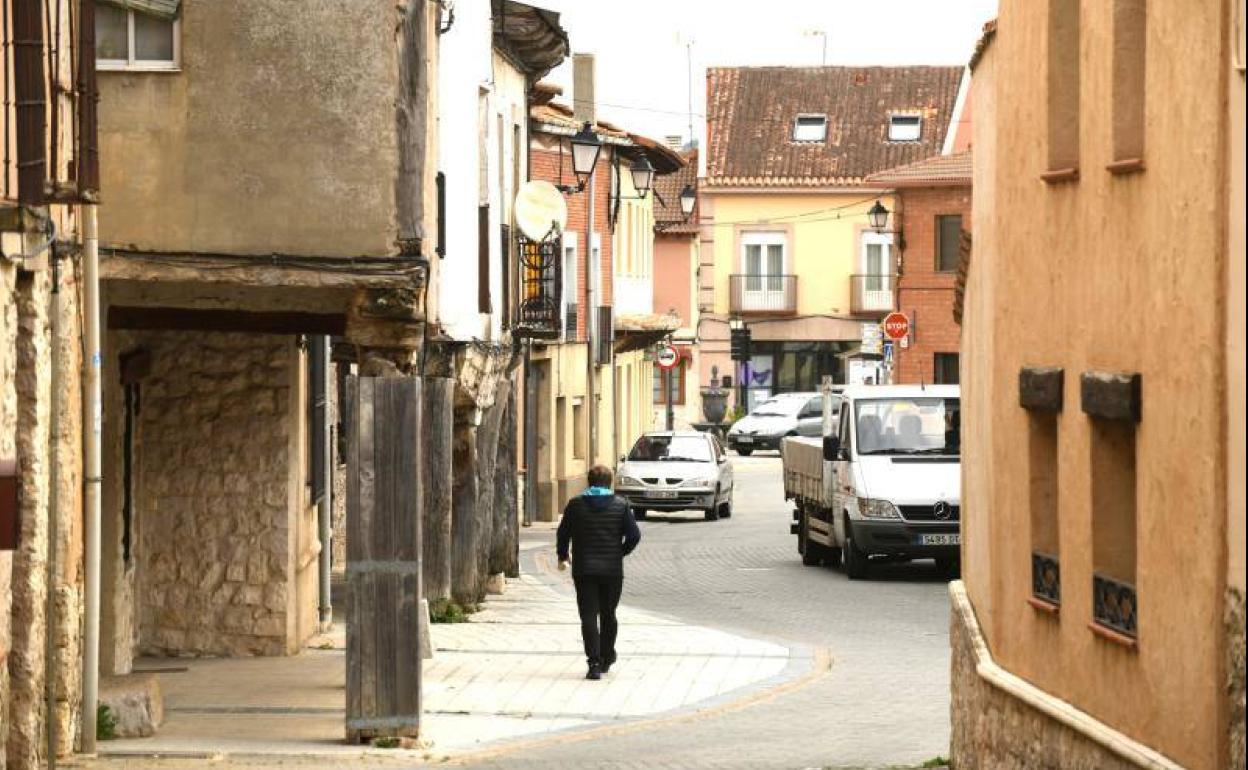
(786, 244)
(1100, 621)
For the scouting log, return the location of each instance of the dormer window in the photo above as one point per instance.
(810, 128)
(905, 128)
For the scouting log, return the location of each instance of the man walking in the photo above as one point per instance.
(601, 529)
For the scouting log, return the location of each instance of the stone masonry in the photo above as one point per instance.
(995, 731)
(216, 428)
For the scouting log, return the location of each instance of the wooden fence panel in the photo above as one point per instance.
(383, 557)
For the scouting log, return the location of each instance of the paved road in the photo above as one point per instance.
(884, 700)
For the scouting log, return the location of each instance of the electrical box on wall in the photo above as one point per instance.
(10, 499)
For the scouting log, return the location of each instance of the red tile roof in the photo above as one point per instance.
(985, 39)
(667, 216)
(937, 171)
(751, 111)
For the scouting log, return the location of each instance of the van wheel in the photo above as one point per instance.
(832, 557)
(855, 561)
(949, 566)
(812, 553)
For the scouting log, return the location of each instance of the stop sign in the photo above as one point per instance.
(896, 326)
(667, 357)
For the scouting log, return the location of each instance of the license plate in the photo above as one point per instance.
(745, 439)
(953, 539)
(660, 494)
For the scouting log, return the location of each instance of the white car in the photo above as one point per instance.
(676, 471)
(783, 415)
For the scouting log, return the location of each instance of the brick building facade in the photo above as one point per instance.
(933, 210)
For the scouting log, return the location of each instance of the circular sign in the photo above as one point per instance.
(667, 357)
(895, 325)
(539, 209)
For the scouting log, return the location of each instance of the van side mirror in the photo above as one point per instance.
(831, 448)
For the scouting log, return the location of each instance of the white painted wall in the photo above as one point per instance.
(478, 91)
(633, 251)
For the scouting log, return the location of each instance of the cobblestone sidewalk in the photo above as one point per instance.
(515, 673)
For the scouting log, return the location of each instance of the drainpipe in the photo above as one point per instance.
(319, 350)
(591, 278)
(91, 386)
(51, 659)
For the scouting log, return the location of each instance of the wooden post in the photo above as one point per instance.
(487, 455)
(504, 553)
(438, 431)
(464, 567)
(383, 557)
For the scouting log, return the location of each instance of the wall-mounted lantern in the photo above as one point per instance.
(643, 176)
(687, 200)
(585, 149)
(878, 216)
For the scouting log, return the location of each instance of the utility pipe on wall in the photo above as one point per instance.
(91, 436)
(324, 509)
(50, 659)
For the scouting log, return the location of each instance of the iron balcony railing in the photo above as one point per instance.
(872, 293)
(763, 293)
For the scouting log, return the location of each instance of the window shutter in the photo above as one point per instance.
(606, 336)
(483, 259)
(504, 255)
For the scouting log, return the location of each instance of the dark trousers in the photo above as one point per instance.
(597, 596)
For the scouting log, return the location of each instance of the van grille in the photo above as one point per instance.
(928, 513)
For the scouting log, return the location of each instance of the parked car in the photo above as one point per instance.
(886, 483)
(676, 471)
(786, 414)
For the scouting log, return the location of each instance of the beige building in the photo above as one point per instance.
(46, 183)
(676, 255)
(1100, 620)
(259, 203)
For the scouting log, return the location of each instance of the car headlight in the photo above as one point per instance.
(697, 482)
(877, 509)
(628, 481)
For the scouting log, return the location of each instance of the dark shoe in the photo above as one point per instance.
(607, 664)
(595, 671)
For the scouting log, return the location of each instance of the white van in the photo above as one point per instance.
(892, 480)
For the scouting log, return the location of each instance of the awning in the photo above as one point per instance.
(161, 9)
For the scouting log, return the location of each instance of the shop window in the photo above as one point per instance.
(1128, 83)
(1063, 89)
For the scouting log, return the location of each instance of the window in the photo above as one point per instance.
(1128, 74)
(1063, 88)
(1113, 525)
(127, 39)
(678, 385)
(810, 128)
(948, 242)
(908, 426)
(672, 448)
(762, 261)
(905, 128)
(945, 368)
(1046, 584)
(570, 296)
(578, 429)
(484, 304)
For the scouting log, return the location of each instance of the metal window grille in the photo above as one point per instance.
(541, 274)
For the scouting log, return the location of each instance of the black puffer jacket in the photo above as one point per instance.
(601, 531)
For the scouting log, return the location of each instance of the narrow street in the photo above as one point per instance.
(885, 699)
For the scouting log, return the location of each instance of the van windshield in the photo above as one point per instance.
(908, 426)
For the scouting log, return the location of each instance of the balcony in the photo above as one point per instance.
(767, 294)
(871, 294)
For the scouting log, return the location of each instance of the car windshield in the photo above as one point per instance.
(779, 407)
(671, 449)
(908, 426)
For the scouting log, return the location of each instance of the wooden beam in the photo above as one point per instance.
(189, 319)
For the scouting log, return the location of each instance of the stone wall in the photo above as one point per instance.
(992, 729)
(215, 562)
(1235, 677)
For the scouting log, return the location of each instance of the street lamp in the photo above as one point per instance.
(878, 216)
(643, 175)
(585, 148)
(687, 200)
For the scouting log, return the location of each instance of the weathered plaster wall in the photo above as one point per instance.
(277, 135)
(217, 560)
(1117, 273)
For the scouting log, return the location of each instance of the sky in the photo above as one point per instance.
(644, 48)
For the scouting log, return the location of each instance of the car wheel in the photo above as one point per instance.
(744, 452)
(711, 514)
(725, 510)
(855, 561)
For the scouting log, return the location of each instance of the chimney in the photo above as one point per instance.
(674, 141)
(583, 87)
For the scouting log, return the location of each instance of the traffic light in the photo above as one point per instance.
(740, 344)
